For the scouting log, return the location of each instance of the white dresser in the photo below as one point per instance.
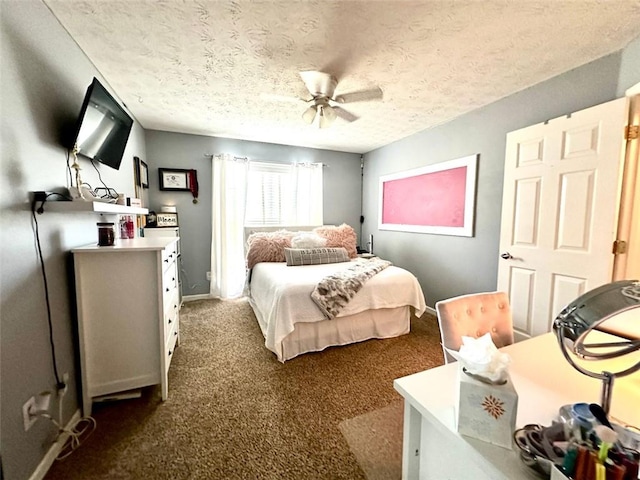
(169, 232)
(128, 315)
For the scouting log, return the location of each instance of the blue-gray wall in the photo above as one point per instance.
(44, 78)
(448, 266)
(341, 177)
(629, 67)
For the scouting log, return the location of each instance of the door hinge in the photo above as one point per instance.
(619, 247)
(631, 132)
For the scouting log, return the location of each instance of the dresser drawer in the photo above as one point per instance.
(170, 293)
(169, 283)
(169, 256)
(170, 345)
(171, 315)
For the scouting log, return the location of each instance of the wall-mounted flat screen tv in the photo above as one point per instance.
(103, 127)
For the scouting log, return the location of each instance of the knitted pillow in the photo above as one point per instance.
(315, 256)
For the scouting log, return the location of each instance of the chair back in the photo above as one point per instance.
(472, 316)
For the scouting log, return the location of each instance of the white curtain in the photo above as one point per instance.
(229, 189)
(307, 180)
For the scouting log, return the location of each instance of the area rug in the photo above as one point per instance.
(375, 438)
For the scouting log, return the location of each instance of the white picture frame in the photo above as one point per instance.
(437, 199)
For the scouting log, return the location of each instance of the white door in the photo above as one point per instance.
(559, 212)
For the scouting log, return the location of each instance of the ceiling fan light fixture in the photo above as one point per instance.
(309, 114)
(327, 116)
(323, 121)
(329, 113)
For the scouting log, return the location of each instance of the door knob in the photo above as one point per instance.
(506, 255)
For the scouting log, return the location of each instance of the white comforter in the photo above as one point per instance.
(282, 296)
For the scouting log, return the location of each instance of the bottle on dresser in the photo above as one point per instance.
(127, 229)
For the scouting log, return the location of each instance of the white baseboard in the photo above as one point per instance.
(431, 310)
(191, 298)
(50, 457)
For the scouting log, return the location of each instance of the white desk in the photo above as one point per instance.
(544, 380)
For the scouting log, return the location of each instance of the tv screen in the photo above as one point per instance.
(103, 127)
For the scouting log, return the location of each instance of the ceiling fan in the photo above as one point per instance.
(324, 104)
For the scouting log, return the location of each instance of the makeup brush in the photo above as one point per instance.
(600, 414)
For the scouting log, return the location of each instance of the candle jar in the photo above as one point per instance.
(106, 234)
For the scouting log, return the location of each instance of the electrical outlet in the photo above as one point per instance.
(209, 276)
(27, 418)
(65, 384)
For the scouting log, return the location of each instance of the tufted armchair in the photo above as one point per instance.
(472, 316)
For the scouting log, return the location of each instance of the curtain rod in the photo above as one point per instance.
(211, 155)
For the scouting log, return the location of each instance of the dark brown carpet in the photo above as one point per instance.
(375, 438)
(235, 412)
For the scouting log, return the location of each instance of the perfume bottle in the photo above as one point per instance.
(123, 227)
(130, 227)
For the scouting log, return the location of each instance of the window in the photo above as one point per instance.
(284, 194)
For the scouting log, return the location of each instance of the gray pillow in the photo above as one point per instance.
(315, 256)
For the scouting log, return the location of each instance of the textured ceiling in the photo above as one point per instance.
(213, 67)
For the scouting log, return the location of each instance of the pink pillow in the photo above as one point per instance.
(342, 236)
(268, 246)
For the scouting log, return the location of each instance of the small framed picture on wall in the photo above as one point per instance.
(142, 173)
(175, 179)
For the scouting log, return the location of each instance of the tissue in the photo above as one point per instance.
(480, 356)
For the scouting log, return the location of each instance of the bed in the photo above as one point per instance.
(293, 324)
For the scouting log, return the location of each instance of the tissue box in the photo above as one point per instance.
(487, 411)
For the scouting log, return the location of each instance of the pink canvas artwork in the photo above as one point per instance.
(433, 199)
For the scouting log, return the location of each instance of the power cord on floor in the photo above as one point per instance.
(75, 435)
(79, 433)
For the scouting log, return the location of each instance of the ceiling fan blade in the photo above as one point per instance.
(329, 112)
(309, 114)
(345, 114)
(273, 97)
(360, 96)
(319, 83)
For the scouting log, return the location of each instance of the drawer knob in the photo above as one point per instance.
(167, 289)
(166, 260)
(170, 352)
(170, 321)
(175, 334)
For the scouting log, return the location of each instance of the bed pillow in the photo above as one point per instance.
(308, 240)
(267, 246)
(342, 236)
(315, 256)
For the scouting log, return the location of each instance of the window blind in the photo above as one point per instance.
(284, 194)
